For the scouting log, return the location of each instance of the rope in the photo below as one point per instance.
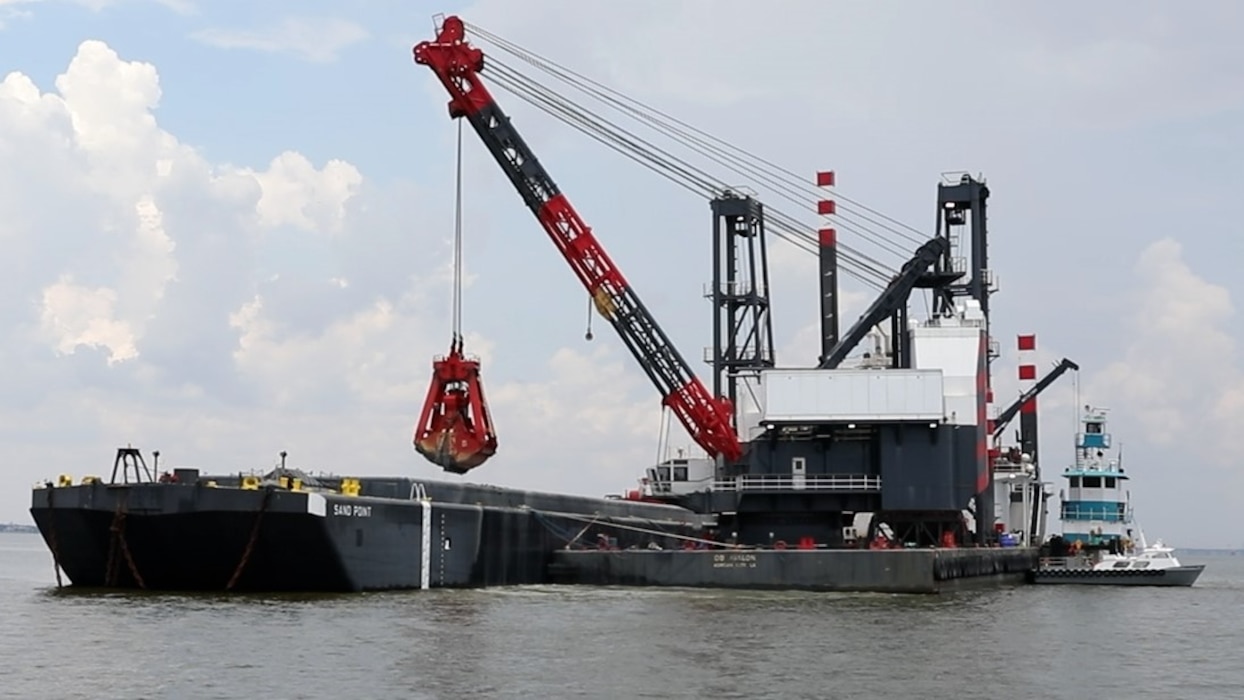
(686, 134)
(52, 541)
(894, 236)
(648, 531)
(865, 268)
(117, 530)
(581, 532)
(110, 567)
(457, 295)
(250, 543)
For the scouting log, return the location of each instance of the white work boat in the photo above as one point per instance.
(1153, 565)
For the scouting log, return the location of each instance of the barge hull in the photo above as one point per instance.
(886, 571)
(192, 537)
(1179, 576)
(208, 534)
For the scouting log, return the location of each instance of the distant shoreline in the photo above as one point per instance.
(19, 529)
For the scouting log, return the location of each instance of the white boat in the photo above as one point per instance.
(1151, 565)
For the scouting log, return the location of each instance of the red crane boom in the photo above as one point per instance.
(457, 64)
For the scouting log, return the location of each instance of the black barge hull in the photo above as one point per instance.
(240, 534)
(209, 535)
(882, 570)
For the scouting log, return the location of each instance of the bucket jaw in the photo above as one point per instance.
(455, 430)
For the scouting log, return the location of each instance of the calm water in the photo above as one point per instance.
(551, 642)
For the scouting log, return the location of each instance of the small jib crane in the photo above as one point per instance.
(708, 419)
(1006, 416)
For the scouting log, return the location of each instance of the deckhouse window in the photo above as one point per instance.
(1075, 482)
(1092, 428)
(680, 473)
(1110, 482)
(1092, 482)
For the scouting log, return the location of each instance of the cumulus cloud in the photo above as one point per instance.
(318, 40)
(95, 143)
(1180, 371)
(295, 193)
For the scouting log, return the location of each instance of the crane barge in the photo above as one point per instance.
(775, 503)
(763, 491)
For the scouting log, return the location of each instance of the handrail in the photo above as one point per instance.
(788, 482)
(1104, 514)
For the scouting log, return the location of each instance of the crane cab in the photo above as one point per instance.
(680, 476)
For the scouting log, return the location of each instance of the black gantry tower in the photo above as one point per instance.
(742, 330)
(961, 215)
(961, 220)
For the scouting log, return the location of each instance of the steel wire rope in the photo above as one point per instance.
(457, 266)
(688, 131)
(784, 226)
(722, 157)
(570, 113)
(693, 179)
(688, 181)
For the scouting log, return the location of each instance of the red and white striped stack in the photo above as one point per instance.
(826, 208)
(1027, 345)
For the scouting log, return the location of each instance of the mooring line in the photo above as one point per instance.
(250, 544)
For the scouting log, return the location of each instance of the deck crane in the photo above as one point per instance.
(1006, 416)
(458, 64)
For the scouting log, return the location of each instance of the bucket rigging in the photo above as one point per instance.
(455, 429)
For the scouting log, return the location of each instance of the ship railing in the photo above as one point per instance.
(789, 482)
(1006, 463)
(1074, 562)
(1103, 514)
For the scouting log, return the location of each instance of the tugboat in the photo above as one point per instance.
(1097, 545)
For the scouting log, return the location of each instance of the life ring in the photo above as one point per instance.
(780, 544)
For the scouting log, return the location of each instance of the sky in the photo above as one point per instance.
(227, 226)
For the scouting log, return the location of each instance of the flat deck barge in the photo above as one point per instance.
(886, 571)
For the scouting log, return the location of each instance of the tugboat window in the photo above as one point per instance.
(680, 473)
(1110, 482)
(1092, 428)
(1092, 482)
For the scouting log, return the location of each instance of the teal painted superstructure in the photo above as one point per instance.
(1095, 505)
